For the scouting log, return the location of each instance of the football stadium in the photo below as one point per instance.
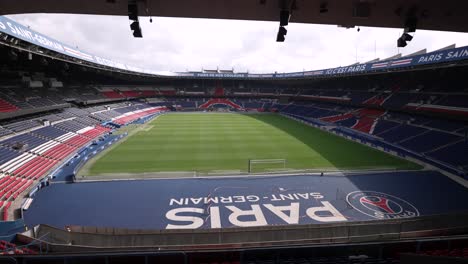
(107, 162)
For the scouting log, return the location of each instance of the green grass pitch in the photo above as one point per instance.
(205, 142)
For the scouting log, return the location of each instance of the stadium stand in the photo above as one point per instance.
(409, 110)
(6, 106)
(8, 248)
(29, 149)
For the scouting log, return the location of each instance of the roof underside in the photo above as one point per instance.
(448, 15)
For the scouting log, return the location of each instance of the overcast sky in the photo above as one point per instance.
(180, 44)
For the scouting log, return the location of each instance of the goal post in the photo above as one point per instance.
(264, 165)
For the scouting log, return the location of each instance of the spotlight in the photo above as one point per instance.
(406, 37)
(401, 43)
(280, 38)
(281, 33)
(135, 27)
(133, 16)
(284, 17)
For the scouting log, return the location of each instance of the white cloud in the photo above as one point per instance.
(179, 44)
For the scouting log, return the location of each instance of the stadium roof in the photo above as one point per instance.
(15, 35)
(448, 15)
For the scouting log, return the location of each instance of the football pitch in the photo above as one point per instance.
(221, 142)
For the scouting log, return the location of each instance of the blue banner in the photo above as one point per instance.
(19, 31)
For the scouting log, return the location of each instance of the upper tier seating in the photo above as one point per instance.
(22, 125)
(219, 91)
(253, 105)
(6, 107)
(167, 91)
(130, 93)
(148, 93)
(113, 94)
(187, 104)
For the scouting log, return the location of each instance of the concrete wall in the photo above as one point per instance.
(369, 231)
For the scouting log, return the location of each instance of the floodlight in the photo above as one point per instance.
(406, 37)
(401, 43)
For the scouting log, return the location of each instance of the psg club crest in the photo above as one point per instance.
(380, 205)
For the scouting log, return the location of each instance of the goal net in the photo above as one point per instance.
(266, 165)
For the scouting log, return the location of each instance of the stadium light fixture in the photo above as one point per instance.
(286, 7)
(281, 34)
(280, 38)
(410, 24)
(135, 27)
(406, 37)
(132, 11)
(284, 17)
(133, 16)
(401, 43)
(283, 31)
